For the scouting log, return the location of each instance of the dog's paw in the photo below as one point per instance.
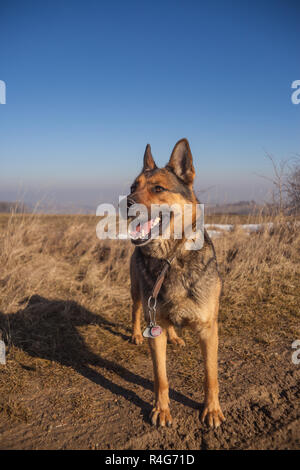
(212, 415)
(177, 341)
(137, 338)
(160, 417)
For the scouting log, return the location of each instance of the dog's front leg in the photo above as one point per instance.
(209, 346)
(136, 337)
(161, 412)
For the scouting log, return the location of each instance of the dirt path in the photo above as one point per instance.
(102, 400)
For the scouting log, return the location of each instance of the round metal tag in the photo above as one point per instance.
(155, 331)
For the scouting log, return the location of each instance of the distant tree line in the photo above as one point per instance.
(17, 207)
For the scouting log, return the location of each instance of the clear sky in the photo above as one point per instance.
(90, 83)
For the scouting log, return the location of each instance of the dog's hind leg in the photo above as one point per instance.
(161, 412)
(173, 337)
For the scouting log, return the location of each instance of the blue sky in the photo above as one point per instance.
(89, 83)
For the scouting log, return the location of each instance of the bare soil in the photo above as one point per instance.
(93, 397)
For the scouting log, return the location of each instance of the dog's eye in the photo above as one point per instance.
(133, 188)
(159, 189)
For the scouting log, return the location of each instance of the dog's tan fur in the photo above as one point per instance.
(190, 293)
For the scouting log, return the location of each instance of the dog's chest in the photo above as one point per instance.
(182, 296)
(183, 293)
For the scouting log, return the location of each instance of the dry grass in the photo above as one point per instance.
(261, 281)
(61, 289)
(60, 257)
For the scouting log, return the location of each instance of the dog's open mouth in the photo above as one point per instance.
(142, 232)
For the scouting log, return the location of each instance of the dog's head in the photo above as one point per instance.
(171, 185)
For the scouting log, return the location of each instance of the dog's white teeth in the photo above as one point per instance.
(136, 236)
(155, 221)
(144, 233)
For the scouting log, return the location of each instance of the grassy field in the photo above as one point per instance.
(72, 378)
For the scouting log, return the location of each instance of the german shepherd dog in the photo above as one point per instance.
(190, 291)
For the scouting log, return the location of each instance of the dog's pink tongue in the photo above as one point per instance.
(147, 226)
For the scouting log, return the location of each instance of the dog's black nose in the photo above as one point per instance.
(124, 205)
(130, 201)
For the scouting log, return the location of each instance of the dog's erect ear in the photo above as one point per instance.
(149, 163)
(181, 162)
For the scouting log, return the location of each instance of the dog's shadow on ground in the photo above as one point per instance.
(48, 329)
